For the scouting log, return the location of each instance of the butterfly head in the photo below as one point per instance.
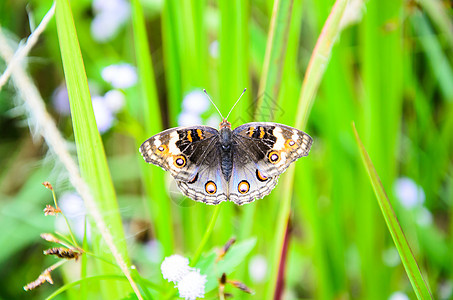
(225, 124)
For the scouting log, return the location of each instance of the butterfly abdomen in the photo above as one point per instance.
(226, 152)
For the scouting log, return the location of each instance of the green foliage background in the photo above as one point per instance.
(390, 72)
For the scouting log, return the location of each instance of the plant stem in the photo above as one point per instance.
(206, 236)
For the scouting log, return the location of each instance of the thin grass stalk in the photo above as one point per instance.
(419, 284)
(312, 80)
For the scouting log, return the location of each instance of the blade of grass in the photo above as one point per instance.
(274, 58)
(90, 151)
(152, 177)
(313, 75)
(419, 284)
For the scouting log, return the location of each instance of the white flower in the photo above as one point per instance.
(103, 115)
(391, 257)
(409, 193)
(214, 49)
(114, 100)
(398, 296)
(154, 251)
(110, 16)
(188, 119)
(195, 102)
(258, 268)
(60, 100)
(424, 217)
(213, 121)
(74, 209)
(120, 76)
(192, 285)
(175, 267)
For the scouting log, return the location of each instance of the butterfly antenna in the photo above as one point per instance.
(236, 103)
(213, 103)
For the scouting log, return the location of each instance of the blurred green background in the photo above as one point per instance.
(390, 72)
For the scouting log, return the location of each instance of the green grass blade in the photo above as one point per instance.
(316, 68)
(152, 177)
(90, 151)
(410, 264)
(277, 41)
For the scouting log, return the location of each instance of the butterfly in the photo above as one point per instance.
(239, 165)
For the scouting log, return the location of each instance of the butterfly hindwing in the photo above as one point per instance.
(247, 182)
(208, 185)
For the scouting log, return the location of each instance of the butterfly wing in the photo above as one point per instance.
(263, 151)
(189, 154)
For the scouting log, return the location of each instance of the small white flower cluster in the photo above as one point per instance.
(189, 281)
(412, 197)
(110, 16)
(120, 76)
(74, 209)
(104, 107)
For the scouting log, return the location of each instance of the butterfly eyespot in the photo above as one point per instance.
(161, 148)
(180, 161)
(260, 176)
(243, 187)
(210, 187)
(290, 143)
(274, 157)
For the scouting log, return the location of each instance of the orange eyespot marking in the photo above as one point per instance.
(251, 130)
(200, 134)
(243, 187)
(189, 135)
(274, 157)
(260, 176)
(210, 187)
(290, 143)
(162, 148)
(179, 161)
(262, 132)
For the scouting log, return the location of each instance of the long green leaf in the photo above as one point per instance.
(410, 264)
(313, 76)
(90, 151)
(150, 114)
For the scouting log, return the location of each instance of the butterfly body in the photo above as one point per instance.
(239, 165)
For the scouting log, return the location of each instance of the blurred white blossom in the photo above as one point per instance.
(424, 217)
(188, 119)
(114, 100)
(192, 285)
(154, 251)
(110, 16)
(74, 209)
(391, 257)
(213, 121)
(258, 268)
(214, 49)
(398, 296)
(445, 290)
(103, 115)
(409, 193)
(120, 76)
(195, 102)
(60, 100)
(175, 267)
